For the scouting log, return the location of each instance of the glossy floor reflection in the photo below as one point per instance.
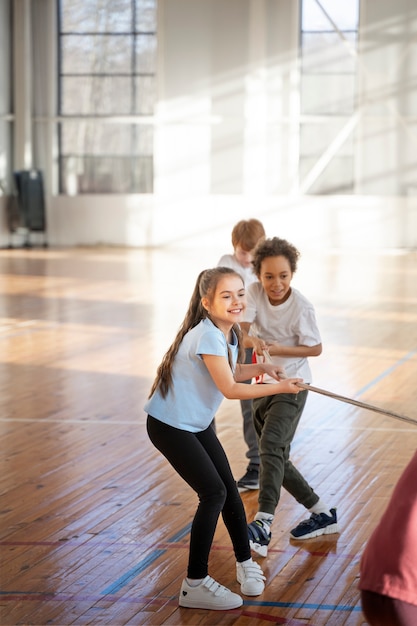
(95, 525)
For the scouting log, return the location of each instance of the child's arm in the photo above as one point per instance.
(276, 349)
(245, 371)
(222, 375)
(250, 341)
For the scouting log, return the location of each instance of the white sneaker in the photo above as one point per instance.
(251, 578)
(208, 595)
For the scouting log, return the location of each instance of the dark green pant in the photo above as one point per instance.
(276, 419)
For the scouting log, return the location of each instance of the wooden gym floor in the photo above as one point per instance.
(95, 524)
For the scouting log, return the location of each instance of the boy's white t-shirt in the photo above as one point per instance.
(247, 273)
(289, 324)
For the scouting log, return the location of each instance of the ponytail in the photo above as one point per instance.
(205, 286)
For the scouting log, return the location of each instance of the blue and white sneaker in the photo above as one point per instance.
(259, 536)
(318, 524)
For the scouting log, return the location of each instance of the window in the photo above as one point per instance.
(329, 37)
(107, 67)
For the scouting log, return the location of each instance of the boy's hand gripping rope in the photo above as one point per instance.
(335, 396)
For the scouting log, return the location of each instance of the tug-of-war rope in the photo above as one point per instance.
(362, 405)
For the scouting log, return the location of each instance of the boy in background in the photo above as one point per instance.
(246, 234)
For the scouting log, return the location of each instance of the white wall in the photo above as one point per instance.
(323, 222)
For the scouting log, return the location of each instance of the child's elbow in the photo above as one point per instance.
(317, 350)
(230, 392)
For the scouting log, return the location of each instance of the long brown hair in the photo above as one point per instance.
(205, 287)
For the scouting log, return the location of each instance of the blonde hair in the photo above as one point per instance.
(247, 233)
(205, 287)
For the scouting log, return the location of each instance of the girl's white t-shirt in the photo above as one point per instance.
(193, 399)
(289, 324)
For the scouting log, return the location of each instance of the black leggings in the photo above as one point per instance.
(200, 460)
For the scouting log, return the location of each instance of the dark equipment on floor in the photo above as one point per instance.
(26, 213)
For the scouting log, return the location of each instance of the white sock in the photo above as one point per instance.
(320, 507)
(264, 517)
(194, 582)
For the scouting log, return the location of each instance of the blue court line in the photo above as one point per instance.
(142, 565)
(372, 383)
(60, 597)
(303, 605)
(388, 371)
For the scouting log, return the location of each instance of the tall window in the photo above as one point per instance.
(106, 95)
(329, 37)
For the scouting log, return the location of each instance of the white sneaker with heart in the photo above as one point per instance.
(209, 594)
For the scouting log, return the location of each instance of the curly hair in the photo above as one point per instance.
(274, 247)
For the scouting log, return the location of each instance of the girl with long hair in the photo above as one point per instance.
(203, 365)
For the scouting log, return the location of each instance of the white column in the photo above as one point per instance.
(22, 88)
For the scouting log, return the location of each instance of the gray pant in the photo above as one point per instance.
(276, 419)
(249, 433)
